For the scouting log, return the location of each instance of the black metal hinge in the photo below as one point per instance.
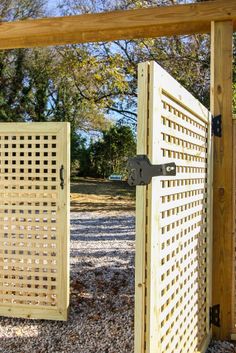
(215, 315)
(216, 126)
(141, 170)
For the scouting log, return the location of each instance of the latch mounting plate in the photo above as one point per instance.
(141, 170)
(215, 315)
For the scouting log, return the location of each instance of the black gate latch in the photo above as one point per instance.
(141, 170)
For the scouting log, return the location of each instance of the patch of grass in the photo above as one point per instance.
(88, 194)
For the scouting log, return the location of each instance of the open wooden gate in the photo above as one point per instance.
(173, 245)
(34, 220)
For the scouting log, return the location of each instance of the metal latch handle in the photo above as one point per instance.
(62, 177)
(141, 170)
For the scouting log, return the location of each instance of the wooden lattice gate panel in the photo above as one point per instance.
(34, 216)
(173, 246)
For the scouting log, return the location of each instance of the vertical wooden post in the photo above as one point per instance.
(221, 103)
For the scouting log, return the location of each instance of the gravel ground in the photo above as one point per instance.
(102, 294)
(221, 347)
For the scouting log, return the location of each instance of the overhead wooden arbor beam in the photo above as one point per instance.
(141, 23)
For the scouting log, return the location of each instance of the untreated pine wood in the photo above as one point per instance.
(34, 263)
(178, 219)
(141, 214)
(221, 103)
(141, 23)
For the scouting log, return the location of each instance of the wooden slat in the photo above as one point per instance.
(64, 224)
(181, 189)
(177, 217)
(27, 271)
(189, 139)
(153, 324)
(184, 201)
(140, 241)
(184, 124)
(40, 311)
(221, 103)
(50, 128)
(178, 148)
(142, 23)
(183, 101)
(177, 229)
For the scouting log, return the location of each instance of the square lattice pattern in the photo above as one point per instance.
(30, 233)
(173, 240)
(183, 230)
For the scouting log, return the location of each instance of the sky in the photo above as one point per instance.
(52, 6)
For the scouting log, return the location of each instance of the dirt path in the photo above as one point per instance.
(92, 195)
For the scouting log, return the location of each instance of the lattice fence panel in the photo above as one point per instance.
(33, 206)
(178, 220)
(183, 230)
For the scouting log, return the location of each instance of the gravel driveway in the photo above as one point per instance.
(102, 294)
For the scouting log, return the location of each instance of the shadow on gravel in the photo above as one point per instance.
(104, 228)
(100, 207)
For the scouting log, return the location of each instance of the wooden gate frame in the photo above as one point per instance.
(216, 17)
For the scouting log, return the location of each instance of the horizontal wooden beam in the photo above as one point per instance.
(132, 24)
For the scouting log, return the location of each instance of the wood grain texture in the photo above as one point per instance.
(34, 220)
(221, 103)
(140, 240)
(233, 335)
(153, 321)
(141, 23)
(177, 267)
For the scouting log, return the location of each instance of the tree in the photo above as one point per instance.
(86, 84)
(184, 57)
(109, 155)
(14, 88)
(37, 84)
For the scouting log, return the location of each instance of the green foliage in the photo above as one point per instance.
(187, 58)
(109, 155)
(85, 84)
